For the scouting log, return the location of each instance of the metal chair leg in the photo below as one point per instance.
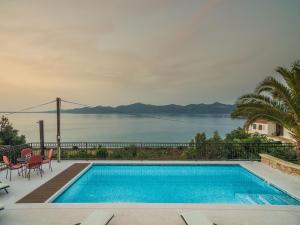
(6, 172)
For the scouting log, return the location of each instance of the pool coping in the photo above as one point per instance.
(271, 183)
(68, 184)
(53, 185)
(233, 163)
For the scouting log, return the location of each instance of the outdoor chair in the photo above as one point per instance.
(35, 163)
(196, 218)
(98, 217)
(26, 153)
(50, 155)
(4, 186)
(10, 166)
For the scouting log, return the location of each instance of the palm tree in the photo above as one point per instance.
(277, 100)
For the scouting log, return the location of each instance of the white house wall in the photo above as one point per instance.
(265, 129)
(271, 129)
(286, 134)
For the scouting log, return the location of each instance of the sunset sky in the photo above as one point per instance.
(152, 51)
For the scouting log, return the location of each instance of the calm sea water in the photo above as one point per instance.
(116, 127)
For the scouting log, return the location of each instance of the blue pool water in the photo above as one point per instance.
(229, 184)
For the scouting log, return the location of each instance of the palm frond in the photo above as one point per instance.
(274, 101)
(296, 71)
(261, 99)
(262, 111)
(279, 92)
(292, 79)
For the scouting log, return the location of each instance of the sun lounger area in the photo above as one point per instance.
(196, 218)
(98, 217)
(4, 186)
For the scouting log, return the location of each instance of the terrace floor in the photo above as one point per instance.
(145, 214)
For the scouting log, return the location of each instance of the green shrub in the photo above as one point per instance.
(116, 154)
(102, 153)
(131, 151)
(142, 155)
(287, 153)
(190, 154)
(84, 154)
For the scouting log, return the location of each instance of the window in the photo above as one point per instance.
(254, 126)
(260, 127)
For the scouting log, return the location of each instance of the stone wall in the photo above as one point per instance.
(284, 166)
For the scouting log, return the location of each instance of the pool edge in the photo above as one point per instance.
(170, 163)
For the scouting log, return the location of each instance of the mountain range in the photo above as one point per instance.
(140, 108)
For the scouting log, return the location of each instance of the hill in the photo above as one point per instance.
(140, 108)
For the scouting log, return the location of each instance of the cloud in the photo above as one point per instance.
(159, 51)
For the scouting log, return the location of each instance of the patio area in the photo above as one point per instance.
(140, 214)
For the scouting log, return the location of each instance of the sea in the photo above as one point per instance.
(122, 127)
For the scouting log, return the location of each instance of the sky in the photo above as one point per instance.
(100, 52)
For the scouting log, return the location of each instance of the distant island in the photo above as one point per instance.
(140, 108)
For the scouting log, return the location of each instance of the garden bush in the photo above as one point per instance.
(102, 153)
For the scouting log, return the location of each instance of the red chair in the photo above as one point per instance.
(10, 166)
(26, 152)
(50, 155)
(35, 163)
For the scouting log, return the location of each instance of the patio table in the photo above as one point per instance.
(21, 160)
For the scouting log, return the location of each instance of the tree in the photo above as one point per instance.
(198, 141)
(216, 137)
(200, 138)
(275, 99)
(238, 133)
(9, 135)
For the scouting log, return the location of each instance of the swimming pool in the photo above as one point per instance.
(219, 184)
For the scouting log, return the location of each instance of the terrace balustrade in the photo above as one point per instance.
(158, 151)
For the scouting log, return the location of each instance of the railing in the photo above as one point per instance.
(159, 151)
(93, 145)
